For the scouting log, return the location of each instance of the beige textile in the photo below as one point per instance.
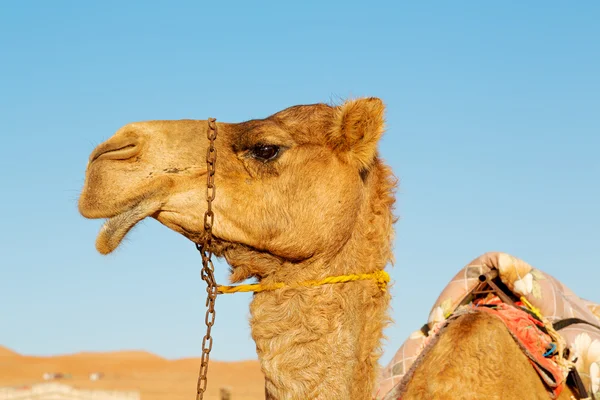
(550, 296)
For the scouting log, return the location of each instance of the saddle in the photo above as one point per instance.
(562, 349)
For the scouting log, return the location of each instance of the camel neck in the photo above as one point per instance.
(322, 342)
(325, 342)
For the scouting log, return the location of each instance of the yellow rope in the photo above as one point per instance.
(380, 277)
(533, 309)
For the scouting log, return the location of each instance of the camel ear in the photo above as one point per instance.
(357, 126)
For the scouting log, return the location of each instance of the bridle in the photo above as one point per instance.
(208, 269)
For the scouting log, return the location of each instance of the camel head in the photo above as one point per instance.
(290, 185)
(300, 195)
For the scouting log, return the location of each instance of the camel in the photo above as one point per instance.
(301, 195)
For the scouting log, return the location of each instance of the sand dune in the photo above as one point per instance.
(153, 376)
(4, 352)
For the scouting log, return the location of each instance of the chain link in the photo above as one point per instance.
(208, 268)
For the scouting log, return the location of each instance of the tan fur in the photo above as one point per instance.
(477, 358)
(322, 208)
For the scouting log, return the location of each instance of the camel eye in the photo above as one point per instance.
(264, 152)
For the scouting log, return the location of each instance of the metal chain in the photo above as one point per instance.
(208, 268)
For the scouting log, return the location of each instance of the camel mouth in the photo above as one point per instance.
(193, 231)
(115, 228)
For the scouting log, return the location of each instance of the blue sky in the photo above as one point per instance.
(493, 130)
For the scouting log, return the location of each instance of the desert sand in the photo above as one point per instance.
(153, 376)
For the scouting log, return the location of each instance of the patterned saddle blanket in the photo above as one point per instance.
(554, 300)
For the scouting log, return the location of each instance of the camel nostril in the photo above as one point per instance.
(114, 152)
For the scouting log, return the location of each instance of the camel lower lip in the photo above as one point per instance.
(116, 228)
